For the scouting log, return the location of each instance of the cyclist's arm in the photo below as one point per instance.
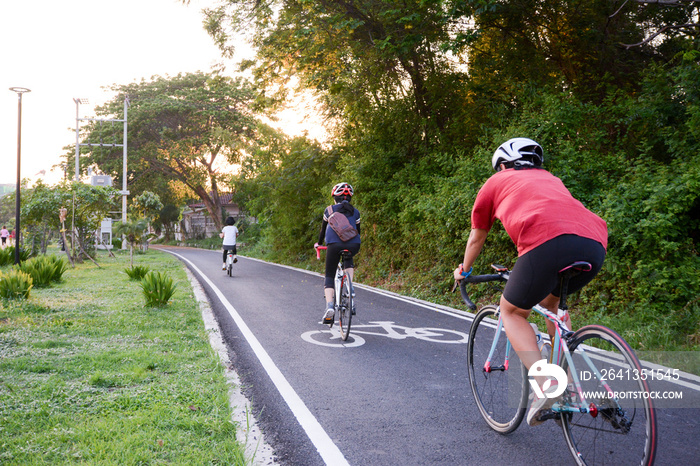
(477, 238)
(322, 234)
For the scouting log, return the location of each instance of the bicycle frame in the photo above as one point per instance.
(591, 413)
(561, 350)
(343, 294)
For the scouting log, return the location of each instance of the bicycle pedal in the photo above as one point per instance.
(547, 415)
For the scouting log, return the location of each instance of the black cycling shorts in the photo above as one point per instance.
(536, 273)
(333, 257)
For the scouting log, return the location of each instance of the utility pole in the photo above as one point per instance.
(124, 192)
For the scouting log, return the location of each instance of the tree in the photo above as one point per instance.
(147, 205)
(671, 18)
(286, 187)
(87, 205)
(190, 128)
(357, 54)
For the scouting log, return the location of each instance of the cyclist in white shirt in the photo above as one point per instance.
(229, 234)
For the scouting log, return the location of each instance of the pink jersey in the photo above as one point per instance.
(534, 207)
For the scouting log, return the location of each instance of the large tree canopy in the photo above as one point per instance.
(191, 129)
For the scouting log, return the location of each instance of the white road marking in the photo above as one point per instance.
(328, 450)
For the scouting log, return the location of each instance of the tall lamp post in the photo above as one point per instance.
(19, 91)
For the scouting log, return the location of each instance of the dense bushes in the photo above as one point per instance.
(631, 159)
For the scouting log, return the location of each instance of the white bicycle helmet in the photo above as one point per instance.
(342, 189)
(519, 151)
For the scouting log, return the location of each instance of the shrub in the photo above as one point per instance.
(60, 267)
(39, 269)
(15, 284)
(157, 288)
(7, 255)
(136, 272)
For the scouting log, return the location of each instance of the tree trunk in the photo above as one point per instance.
(212, 204)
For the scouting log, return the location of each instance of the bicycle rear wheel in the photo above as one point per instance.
(501, 390)
(624, 429)
(345, 308)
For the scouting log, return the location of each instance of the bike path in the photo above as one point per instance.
(400, 397)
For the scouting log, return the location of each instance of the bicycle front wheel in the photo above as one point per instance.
(620, 427)
(499, 384)
(345, 308)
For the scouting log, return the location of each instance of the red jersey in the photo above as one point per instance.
(534, 206)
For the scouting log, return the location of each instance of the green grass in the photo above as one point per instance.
(90, 375)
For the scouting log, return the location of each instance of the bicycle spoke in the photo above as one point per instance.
(500, 393)
(345, 308)
(619, 426)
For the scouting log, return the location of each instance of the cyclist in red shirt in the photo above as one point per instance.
(550, 228)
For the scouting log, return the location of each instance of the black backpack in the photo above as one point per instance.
(340, 224)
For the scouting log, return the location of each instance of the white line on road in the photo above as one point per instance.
(328, 450)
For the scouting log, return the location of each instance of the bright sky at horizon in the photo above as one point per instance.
(62, 49)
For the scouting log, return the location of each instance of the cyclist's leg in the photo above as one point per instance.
(223, 267)
(349, 264)
(530, 283)
(332, 258)
(520, 333)
(535, 279)
(522, 338)
(551, 303)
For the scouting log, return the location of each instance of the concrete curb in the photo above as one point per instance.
(257, 451)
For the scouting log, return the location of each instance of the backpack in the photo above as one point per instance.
(341, 225)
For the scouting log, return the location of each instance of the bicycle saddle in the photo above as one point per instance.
(578, 266)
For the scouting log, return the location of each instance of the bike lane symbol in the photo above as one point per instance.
(388, 329)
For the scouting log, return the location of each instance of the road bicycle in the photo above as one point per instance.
(605, 410)
(229, 263)
(344, 294)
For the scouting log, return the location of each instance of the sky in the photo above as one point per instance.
(63, 49)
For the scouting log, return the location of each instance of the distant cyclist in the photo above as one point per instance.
(342, 195)
(551, 230)
(229, 234)
(4, 234)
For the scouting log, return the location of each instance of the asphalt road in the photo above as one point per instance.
(396, 394)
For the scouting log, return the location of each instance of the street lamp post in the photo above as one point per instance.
(19, 91)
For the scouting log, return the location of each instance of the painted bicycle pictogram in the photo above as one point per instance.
(331, 337)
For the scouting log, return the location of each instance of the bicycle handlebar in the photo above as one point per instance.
(501, 277)
(318, 250)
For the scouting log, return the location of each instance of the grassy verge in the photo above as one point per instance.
(90, 375)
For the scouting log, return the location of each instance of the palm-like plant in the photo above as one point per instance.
(133, 231)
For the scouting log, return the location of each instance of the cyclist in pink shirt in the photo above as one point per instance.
(550, 228)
